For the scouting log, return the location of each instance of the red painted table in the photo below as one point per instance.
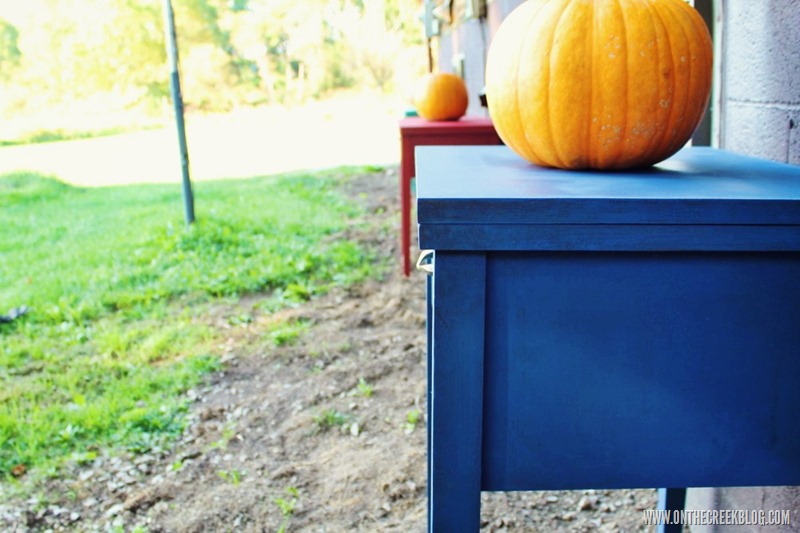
(416, 131)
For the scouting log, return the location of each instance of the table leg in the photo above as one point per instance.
(673, 500)
(457, 392)
(429, 377)
(406, 173)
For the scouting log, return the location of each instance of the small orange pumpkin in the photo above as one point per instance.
(606, 84)
(441, 96)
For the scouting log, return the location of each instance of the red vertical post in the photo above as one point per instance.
(406, 173)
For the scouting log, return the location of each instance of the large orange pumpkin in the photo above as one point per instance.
(441, 96)
(605, 84)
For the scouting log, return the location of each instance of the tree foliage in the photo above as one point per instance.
(232, 52)
(9, 49)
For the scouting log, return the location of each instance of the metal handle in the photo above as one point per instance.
(425, 261)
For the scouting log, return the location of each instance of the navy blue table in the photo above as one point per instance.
(608, 330)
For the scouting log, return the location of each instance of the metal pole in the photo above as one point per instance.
(430, 55)
(177, 99)
(431, 25)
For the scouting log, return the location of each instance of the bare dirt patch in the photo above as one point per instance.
(325, 434)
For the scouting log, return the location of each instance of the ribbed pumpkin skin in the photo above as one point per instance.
(441, 96)
(605, 84)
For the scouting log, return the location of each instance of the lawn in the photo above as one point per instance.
(355, 129)
(118, 288)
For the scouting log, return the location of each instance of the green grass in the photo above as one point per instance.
(331, 418)
(285, 333)
(54, 135)
(117, 287)
(364, 389)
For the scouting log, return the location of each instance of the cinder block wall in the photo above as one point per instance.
(760, 95)
(759, 50)
(746, 498)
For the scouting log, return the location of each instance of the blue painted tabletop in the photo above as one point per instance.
(699, 185)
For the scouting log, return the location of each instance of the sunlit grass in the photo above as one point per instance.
(355, 129)
(117, 287)
(47, 135)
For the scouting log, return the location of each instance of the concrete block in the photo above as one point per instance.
(794, 138)
(746, 499)
(761, 51)
(762, 130)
